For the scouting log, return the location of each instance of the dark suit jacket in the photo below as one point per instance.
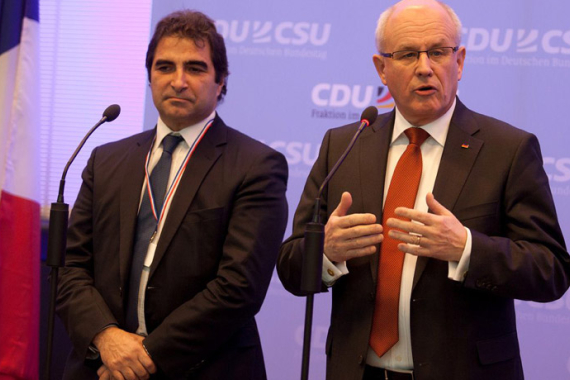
(212, 266)
(498, 189)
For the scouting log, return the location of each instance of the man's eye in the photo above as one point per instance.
(436, 53)
(196, 69)
(163, 68)
(408, 55)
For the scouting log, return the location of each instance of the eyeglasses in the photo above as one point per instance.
(436, 55)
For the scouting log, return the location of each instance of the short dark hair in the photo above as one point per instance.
(199, 28)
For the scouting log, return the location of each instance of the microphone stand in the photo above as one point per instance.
(311, 282)
(57, 236)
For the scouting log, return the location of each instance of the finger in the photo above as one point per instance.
(355, 220)
(415, 215)
(139, 371)
(344, 205)
(435, 206)
(116, 375)
(103, 373)
(408, 238)
(360, 252)
(364, 241)
(359, 231)
(347, 240)
(148, 364)
(408, 227)
(414, 250)
(129, 374)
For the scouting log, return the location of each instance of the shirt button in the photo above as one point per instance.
(398, 358)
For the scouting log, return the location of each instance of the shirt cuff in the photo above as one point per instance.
(458, 270)
(332, 271)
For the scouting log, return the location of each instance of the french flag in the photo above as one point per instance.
(19, 189)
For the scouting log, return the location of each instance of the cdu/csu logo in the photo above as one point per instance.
(357, 96)
(287, 33)
(555, 41)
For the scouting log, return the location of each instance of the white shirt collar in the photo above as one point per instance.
(188, 133)
(437, 129)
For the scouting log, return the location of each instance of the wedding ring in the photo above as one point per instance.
(418, 240)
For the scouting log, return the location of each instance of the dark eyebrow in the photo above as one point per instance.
(163, 62)
(201, 64)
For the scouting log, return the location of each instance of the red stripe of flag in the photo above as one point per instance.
(19, 287)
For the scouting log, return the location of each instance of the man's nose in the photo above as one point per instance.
(179, 81)
(423, 66)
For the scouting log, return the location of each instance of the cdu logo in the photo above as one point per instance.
(554, 41)
(285, 33)
(357, 96)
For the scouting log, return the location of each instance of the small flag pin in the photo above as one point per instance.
(465, 146)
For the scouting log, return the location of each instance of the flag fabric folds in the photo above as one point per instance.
(19, 190)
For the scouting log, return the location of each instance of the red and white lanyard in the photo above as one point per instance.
(177, 177)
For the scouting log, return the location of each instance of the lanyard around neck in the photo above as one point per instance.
(177, 177)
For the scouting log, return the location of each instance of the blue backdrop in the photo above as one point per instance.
(299, 68)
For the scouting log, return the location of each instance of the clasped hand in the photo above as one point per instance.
(123, 356)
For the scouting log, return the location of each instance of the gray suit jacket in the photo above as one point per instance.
(497, 188)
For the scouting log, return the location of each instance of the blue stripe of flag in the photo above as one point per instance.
(12, 13)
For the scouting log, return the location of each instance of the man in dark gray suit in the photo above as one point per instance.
(480, 232)
(164, 281)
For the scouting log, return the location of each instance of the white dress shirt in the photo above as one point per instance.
(400, 355)
(189, 134)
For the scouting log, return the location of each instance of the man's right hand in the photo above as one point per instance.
(350, 236)
(123, 355)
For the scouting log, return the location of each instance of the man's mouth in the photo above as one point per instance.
(178, 99)
(425, 90)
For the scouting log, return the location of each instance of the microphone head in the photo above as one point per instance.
(369, 115)
(112, 112)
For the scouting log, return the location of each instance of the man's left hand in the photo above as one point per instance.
(439, 235)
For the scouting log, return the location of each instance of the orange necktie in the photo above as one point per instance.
(401, 193)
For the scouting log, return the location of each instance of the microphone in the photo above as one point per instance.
(367, 117)
(59, 211)
(314, 231)
(57, 235)
(110, 114)
(314, 245)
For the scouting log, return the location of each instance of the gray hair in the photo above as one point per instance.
(383, 19)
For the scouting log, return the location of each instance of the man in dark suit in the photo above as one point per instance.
(480, 232)
(185, 307)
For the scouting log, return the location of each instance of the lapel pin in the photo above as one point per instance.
(465, 146)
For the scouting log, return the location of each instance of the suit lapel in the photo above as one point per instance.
(373, 159)
(133, 178)
(206, 154)
(459, 155)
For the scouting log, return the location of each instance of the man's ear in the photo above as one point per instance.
(460, 61)
(379, 63)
